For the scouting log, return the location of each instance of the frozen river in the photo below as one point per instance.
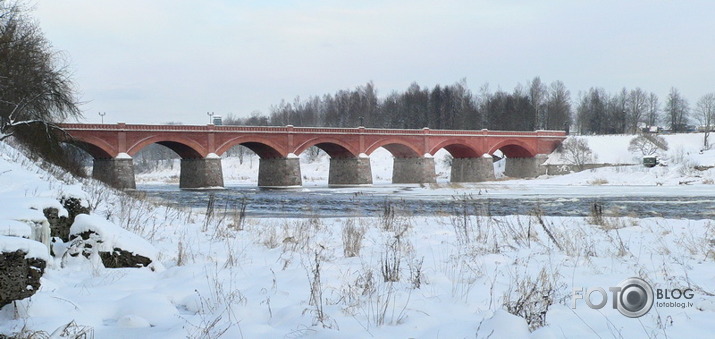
(688, 202)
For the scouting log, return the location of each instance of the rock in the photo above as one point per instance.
(87, 243)
(19, 275)
(60, 225)
(121, 258)
(115, 246)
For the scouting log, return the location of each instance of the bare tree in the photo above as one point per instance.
(575, 151)
(558, 107)
(676, 109)
(647, 144)
(652, 110)
(538, 95)
(636, 108)
(617, 113)
(591, 112)
(705, 113)
(35, 87)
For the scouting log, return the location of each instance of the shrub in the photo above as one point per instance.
(575, 151)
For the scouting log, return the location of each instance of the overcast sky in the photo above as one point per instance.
(158, 61)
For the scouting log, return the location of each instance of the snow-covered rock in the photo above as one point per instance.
(22, 263)
(116, 246)
(60, 223)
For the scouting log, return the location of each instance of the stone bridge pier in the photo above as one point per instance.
(195, 173)
(201, 173)
(350, 171)
(472, 169)
(413, 170)
(279, 172)
(525, 167)
(116, 172)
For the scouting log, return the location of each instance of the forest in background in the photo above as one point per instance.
(534, 106)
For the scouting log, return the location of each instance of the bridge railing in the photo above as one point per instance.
(313, 130)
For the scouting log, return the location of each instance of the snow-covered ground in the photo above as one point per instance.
(414, 277)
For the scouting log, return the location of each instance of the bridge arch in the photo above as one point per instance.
(398, 148)
(457, 149)
(96, 147)
(264, 148)
(335, 148)
(514, 148)
(184, 147)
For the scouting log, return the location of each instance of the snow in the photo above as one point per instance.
(613, 149)
(112, 236)
(32, 249)
(257, 282)
(15, 228)
(504, 325)
(123, 156)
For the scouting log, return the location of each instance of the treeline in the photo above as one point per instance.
(627, 111)
(442, 107)
(529, 107)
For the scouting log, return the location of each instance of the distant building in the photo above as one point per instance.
(651, 129)
(703, 128)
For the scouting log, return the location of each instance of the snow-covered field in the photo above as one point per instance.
(381, 276)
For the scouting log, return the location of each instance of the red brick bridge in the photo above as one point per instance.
(200, 148)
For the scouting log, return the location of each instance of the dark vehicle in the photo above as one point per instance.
(650, 161)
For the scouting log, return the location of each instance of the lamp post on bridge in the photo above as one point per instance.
(211, 117)
(102, 114)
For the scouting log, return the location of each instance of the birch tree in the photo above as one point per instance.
(676, 109)
(705, 113)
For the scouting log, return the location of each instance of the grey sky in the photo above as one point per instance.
(157, 61)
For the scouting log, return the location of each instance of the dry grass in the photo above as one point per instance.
(598, 182)
(530, 297)
(352, 236)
